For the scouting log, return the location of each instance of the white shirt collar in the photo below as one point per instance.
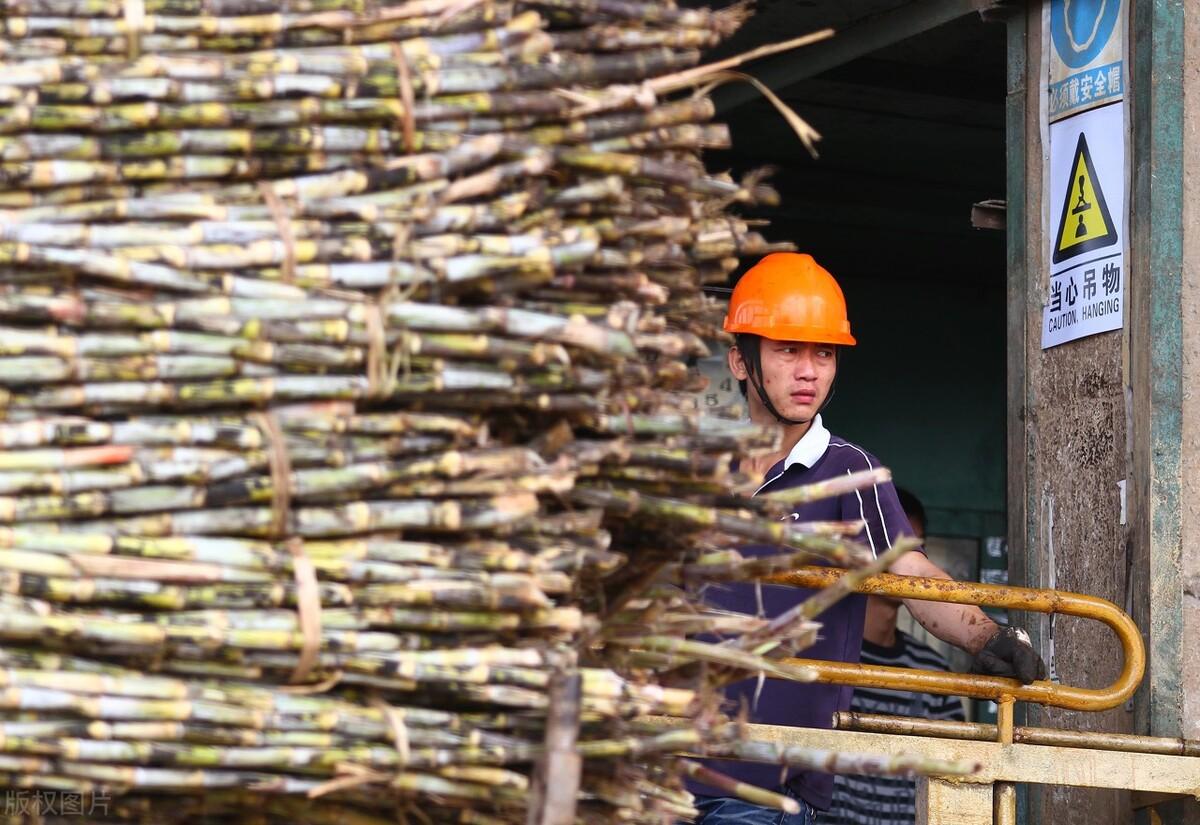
(810, 447)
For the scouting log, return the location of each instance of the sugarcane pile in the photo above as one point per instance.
(349, 469)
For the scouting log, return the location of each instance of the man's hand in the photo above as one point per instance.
(1009, 653)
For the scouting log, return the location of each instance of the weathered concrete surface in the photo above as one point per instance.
(1079, 416)
(1123, 405)
(1190, 310)
(1070, 401)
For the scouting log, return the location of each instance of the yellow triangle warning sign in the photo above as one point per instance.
(1085, 223)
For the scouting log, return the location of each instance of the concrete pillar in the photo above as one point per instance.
(1116, 406)
(1190, 460)
(1067, 449)
(1165, 370)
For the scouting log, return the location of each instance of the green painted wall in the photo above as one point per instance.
(924, 390)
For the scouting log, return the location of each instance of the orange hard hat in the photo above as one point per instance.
(787, 296)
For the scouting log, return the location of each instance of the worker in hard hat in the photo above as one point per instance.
(788, 318)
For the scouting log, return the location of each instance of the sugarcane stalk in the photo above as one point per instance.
(834, 550)
(831, 488)
(741, 790)
(738, 568)
(706, 652)
(903, 765)
(435, 77)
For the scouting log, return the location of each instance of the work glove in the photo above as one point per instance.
(1009, 653)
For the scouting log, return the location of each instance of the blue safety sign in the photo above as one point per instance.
(1082, 28)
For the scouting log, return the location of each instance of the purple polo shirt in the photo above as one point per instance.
(816, 457)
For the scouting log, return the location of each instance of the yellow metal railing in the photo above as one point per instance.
(975, 685)
(1156, 767)
(1007, 754)
(1006, 692)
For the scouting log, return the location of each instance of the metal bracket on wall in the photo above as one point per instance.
(990, 214)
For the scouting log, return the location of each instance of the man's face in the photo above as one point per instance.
(796, 376)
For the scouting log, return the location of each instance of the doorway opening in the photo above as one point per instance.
(905, 207)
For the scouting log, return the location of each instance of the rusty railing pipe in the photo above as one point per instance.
(984, 732)
(974, 685)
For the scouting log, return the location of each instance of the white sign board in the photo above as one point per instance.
(1087, 55)
(1087, 225)
(1085, 189)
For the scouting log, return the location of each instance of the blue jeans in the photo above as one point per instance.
(724, 810)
